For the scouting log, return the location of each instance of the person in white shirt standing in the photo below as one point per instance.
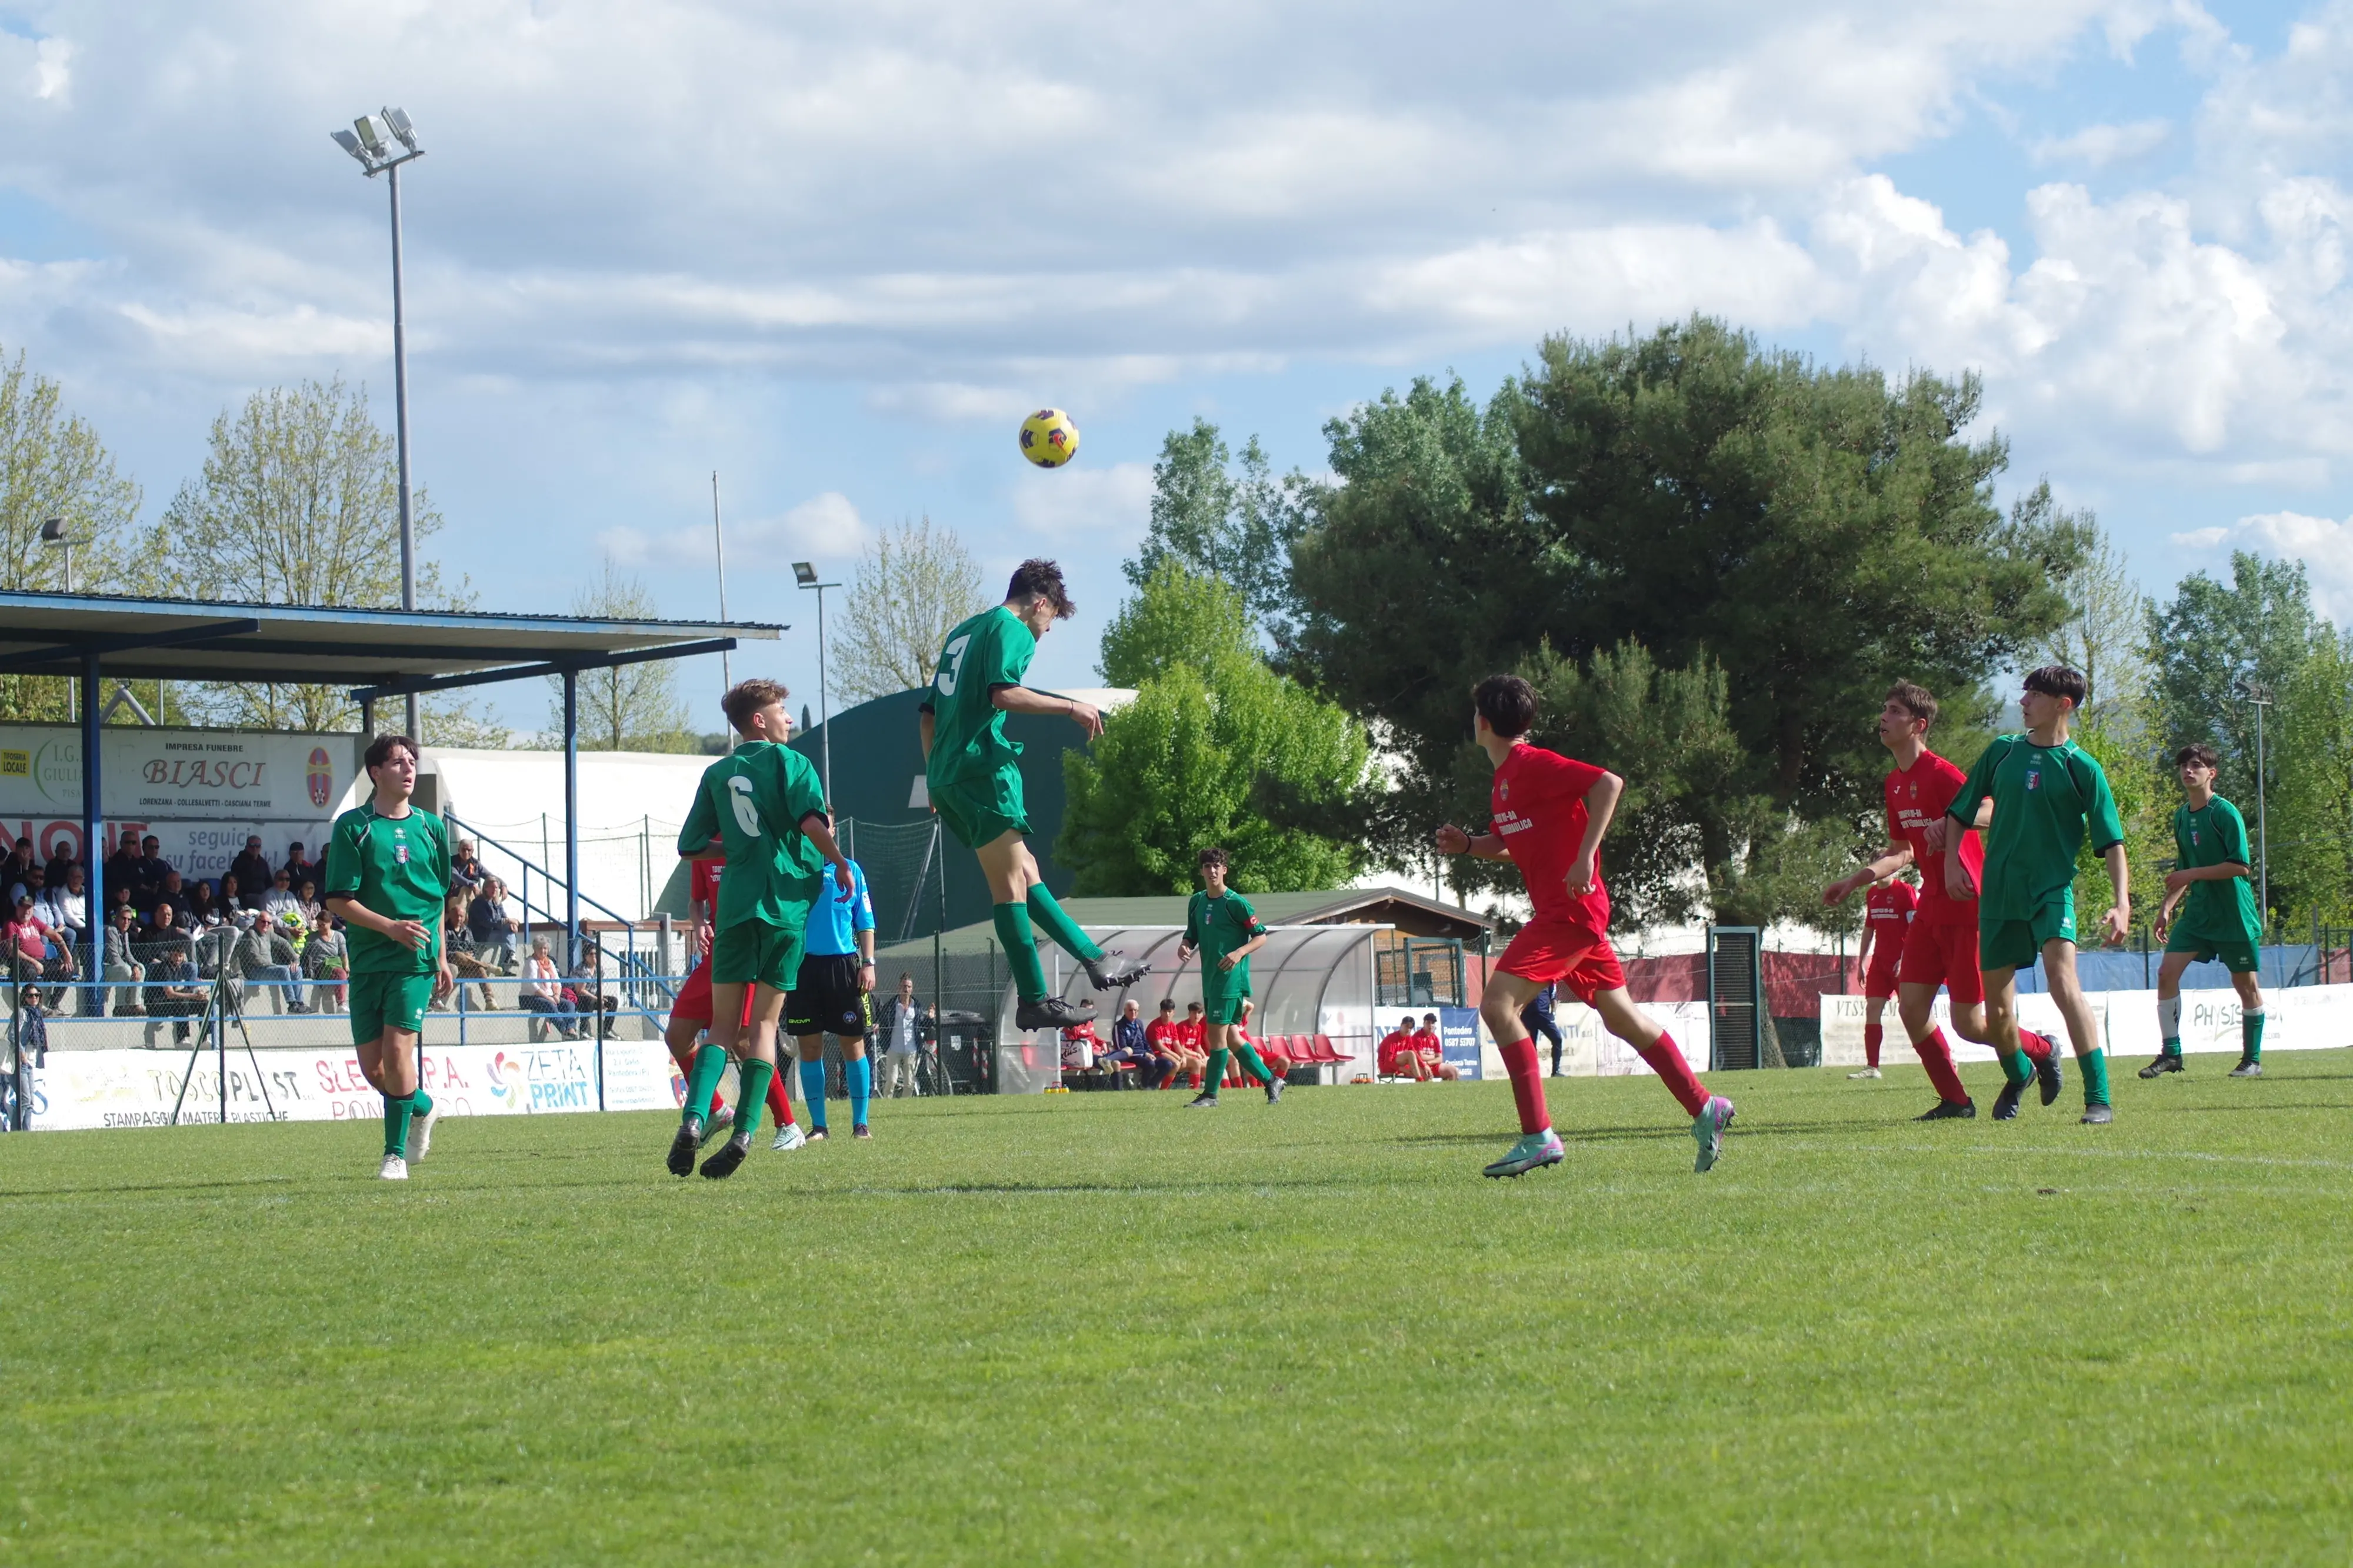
(901, 1027)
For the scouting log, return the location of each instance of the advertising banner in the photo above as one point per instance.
(201, 792)
(2297, 1018)
(137, 1087)
(1457, 1032)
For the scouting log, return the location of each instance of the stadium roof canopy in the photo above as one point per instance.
(382, 653)
(1412, 912)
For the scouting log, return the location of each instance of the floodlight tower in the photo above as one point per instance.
(805, 575)
(370, 141)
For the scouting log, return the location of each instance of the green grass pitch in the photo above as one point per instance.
(1098, 1328)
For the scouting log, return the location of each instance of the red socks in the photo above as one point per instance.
(1936, 1055)
(1666, 1059)
(1527, 1084)
(780, 1104)
(2036, 1046)
(1872, 1034)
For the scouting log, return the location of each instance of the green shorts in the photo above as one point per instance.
(381, 1002)
(755, 952)
(2237, 954)
(982, 811)
(2016, 944)
(1226, 1008)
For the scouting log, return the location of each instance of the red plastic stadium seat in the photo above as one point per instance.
(1324, 1051)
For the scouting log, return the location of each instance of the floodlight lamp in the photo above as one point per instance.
(401, 127)
(53, 530)
(804, 573)
(371, 133)
(351, 143)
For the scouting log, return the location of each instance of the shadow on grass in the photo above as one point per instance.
(148, 1187)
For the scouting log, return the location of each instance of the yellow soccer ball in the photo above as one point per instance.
(1048, 438)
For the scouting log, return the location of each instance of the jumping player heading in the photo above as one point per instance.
(1549, 816)
(974, 776)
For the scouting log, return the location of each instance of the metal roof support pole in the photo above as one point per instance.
(93, 829)
(367, 722)
(571, 815)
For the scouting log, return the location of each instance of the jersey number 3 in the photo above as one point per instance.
(738, 796)
(951, 665)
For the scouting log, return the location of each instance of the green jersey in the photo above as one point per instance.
(2043, 798)
(396, 866)
(754, 801)
(1217, 927)
(2223, 913)
(984, 655)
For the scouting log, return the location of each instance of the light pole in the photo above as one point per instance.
(2259, 695)
(370, 141)
(53, 532)
(805, 575)
(719, 542)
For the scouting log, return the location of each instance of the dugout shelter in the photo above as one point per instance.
(381, 654)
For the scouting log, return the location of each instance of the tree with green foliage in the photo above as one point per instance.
(910, 588)
(52, 464)
(1216, 749)
(2312, 806)
(1233, 527)
(624, 707)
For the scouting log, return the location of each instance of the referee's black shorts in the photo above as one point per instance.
(826, 998)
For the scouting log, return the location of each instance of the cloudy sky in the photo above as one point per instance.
(835, 253)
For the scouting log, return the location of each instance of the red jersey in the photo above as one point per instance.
(1195, 1033)
(1391, 1053)
(1164, 1034)
(1537, 805)
(1889, 910)
(1917, 797)
(704, 884)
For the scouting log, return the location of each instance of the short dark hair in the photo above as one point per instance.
(1212, 855)
(2058, 680)
(1913, 699)
(2197, 751)
(1507, 704)
(1193, 1007)
(746, 698)
(379, 750)
(1037, 578)
(1168, 1004)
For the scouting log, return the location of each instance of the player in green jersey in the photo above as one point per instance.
(2211, 887)
(2045, 790)
(387, 873)
(973, 775)
(1220, 925)
(761, 805)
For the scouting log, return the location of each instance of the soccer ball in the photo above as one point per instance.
(1048, 438)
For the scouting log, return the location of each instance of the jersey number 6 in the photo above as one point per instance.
(738, 796)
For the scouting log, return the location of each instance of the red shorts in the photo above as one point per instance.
(1880, 981)
(1576, 958)
(1944, 955)
(693, 1001)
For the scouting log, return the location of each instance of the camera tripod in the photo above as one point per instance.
(224, 1003)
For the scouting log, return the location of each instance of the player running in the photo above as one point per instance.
(2211, 887)
(690, 1015)
(973, 775)
(2045, 790)
(762, 807)
(1549, 813)
(834, 991)
(1220, 925)
(387, 872)
(1940, 945)
(1887, 911)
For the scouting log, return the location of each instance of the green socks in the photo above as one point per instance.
(2250, 1036)
(1021, 947)
(1059, 926)
(756, 1075)
(422, 1102)
(2172, 1046)
(710, 1061)
(1253, 1064)
(396, 1112)
(2017, 1071)
(1216, 1074)
(2094, 1069)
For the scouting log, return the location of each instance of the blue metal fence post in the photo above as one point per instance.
(572, 817)
(93, 830)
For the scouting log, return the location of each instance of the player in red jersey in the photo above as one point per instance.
(1548, 815)
(1941, 946)
(690, 1013)
(1886, 920)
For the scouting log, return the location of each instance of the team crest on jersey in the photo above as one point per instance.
(1504, 790)
(2035, 778)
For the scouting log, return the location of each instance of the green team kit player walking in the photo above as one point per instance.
(974, 776)
(2212, 891)
(763, 807)
(1220, 925)
(2046, 790)
(387, 873)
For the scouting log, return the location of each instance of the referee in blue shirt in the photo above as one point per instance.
(833, 992)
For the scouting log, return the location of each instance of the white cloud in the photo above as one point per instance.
(626, 546)
(825, 528)
(2100, 145)
(1107, 507)
(52, 69)
(2201, 537)
(2324, 545)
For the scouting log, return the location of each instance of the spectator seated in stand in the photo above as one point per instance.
(166, 892)
(465, 867)
(252, 871)
(543, 994)
(1166, 1037)
(124, 964)
(33, 885)
(174, 989)
(12, 870)
(65, 903)
(486, 922)
(1433, 1048)
(281, 903)
(261, 955)
(458, 945)
(1399, 1057)
(327, 960)
(37, 950)
(297, 870)
(147, 873)
(580, 987)
(1132, 1049)
(306, 896)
